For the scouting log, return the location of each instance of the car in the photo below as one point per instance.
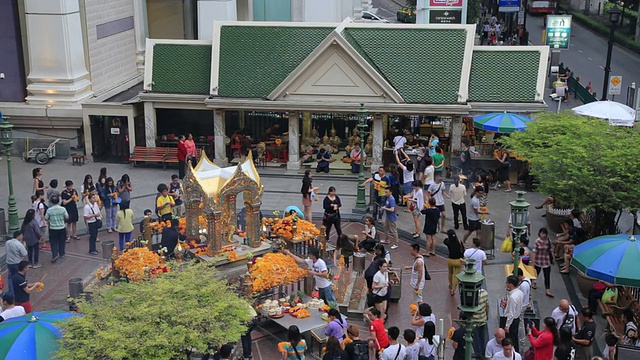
(371, 17)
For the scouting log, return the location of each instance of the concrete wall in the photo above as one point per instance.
(212, 10)
(111, 39)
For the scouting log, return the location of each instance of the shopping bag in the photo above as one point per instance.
(507, 245)
(610, 296)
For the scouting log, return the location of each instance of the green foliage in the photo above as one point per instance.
(165, 318)
(584, 162)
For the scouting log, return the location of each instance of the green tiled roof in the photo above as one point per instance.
(254, 60)
(181, 69)
(423, 65)
(504, 76)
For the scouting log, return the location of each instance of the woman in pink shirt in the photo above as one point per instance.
(191, 148)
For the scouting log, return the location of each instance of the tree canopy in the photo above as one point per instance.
(167, 317)
(586, 163)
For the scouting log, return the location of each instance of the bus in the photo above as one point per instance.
(542, 7)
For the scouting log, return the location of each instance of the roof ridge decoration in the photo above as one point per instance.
(212, 178)
(334, 69)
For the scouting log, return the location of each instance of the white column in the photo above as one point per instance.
(378, 142)
(150, 124)
(294, 141)
(456, 132)
(58, 73)
(141, 28)
(218, 141)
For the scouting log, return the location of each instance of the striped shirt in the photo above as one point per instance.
(291, 353)
(483, 301)
(55, 216)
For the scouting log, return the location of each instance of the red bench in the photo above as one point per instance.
(148, 154)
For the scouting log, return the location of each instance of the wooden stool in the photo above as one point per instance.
(77, 159)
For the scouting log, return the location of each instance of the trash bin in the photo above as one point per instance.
(107, 249)
(395, 289)
(358, 262)
(3, 223)
(487, 237)
(76, 287)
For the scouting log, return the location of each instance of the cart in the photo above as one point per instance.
(42, 155)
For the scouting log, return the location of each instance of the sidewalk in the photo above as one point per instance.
(279, 192)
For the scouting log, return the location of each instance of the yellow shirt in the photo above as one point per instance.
(124, 219)
(163, 200)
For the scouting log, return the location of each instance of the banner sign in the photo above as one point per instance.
(558, 31)
(507, 6)
(445, 16)
(454, 3)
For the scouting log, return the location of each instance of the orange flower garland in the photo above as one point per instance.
(273, 270)
(284, 228)
(40, 287)
(133, 263)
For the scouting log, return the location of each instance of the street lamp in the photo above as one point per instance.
(363, 127)
(6, 139)
(614, 17)
(519, 216)
(470, 284)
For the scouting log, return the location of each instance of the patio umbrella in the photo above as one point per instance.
(611, 258)
(501, 122)
(296, 209)
(606, 109)
(32, 336)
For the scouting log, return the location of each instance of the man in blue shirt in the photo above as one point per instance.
(323, 158)
(390, 228)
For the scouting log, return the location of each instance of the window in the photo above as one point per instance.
(172, 19)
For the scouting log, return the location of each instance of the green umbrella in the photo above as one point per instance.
(611, 258)
(501, 122)
(31, 337)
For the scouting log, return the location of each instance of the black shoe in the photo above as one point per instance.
(94, 252)
(456, 227)
(55, 259)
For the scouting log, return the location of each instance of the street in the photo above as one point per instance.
(587, 56)
(387, 8)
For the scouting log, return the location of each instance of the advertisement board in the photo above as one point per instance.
(439, 3)
(433, 11)
(506, 6)
(445, 16)
(558, 31)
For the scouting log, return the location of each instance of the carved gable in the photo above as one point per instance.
(334, 71)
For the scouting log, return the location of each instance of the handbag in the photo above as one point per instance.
(98, 221)
(331, 217)
(371, 297)
(427, 276)
(507, 245)
(610, 296)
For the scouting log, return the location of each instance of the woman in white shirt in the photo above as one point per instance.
(408, 172)
(416, 203)
(429, 173)
(369, 234)
(429, 343)
(380, 289)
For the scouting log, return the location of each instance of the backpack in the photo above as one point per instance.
(360, 350)
(569, 322)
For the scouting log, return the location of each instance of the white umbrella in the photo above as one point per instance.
(609, 110)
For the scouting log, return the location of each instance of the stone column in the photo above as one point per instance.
(58, 72)
(294, 141)
(214, 231)
(150, 124)
(220, 150)
(141, 29)
(456, 132)
(306, 124)
(378, 142)
(253, 224)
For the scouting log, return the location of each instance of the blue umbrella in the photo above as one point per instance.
(31, 337)
(501, 122)
(296, 209)
(611, 258)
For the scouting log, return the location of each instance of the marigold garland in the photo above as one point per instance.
(284, 227)
(274, 270)
(40, 287)
(134, 262)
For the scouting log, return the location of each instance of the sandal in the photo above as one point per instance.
(76, 237)
(549, 294)
(433, 253)
(416, 235)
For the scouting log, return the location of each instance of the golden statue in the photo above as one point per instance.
(335, 141)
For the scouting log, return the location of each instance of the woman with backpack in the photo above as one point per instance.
(429, 342)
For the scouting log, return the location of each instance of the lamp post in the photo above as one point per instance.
(470, 284)
(519, 216)
(363, 127)
(614, 17)
(6, 139)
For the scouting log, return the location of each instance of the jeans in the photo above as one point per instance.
(93, 235)
(245, 340)
(327, 294)
(462, 209)
(480, 339)
(111, 216)
(34, 253)
(336, 222)
(547, 276)
(124, 238)
(57, 239)
(379, 202)
(13, 269)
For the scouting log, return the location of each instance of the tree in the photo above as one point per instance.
(585, 163)
(168, 317)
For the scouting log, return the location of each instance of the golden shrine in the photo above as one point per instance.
(210, 191)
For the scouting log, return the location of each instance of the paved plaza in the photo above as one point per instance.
(281, 190)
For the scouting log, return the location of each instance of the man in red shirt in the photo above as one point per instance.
(182, 156)
(378, 338)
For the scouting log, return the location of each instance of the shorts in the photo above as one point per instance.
(474, 225)
(377, 299)
(440, 207)
(407, 188)
(415, 211)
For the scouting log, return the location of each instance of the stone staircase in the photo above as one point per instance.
(351, 293)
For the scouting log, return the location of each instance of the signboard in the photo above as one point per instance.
(615, 85)
(433, 11)
(507, 6)
(439, 3)
(558, 31)
(115, 131)
(521, 17)
(445, 16)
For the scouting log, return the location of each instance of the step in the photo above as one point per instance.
(358, 298)
(343, 298)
